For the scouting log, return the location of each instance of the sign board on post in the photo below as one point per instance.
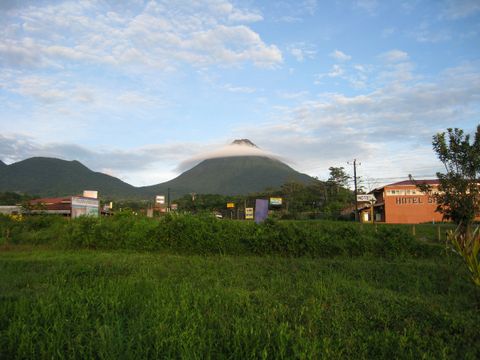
(248, 213)
(275, 201)
(230, 205)
(82, 206)
(160, 199)
(366, 197)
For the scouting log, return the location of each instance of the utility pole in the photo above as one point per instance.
(168, 201)
(357, 218)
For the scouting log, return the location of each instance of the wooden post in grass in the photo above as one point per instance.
(439, 234)
(414, 233)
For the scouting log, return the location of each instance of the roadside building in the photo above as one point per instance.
(404, 203)
(10, 209)
(72, 206)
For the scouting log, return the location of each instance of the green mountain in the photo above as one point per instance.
(54, 177)
(230, 176)
(235, 175)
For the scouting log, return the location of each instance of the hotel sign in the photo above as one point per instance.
(414, 200)
(365, 197)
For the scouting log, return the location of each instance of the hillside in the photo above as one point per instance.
(230, 176)
(55, 177)
(234, 175)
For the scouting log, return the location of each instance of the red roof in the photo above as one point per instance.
(58, 200)
(410, 182)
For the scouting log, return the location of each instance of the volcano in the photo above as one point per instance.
(234, 174)
(237, 169)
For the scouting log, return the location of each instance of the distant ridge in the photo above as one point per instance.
(244, 142)
(54, 177)
(232, 175)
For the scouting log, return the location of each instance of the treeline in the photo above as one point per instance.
(331, 200)
(204, 234)
(13, 198)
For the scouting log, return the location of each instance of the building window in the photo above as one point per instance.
(395, 192)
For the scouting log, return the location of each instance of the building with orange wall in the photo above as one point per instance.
(403, 203)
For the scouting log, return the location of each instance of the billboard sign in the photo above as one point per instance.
(160, 199)
(90, 194)
(276, 201)
(230, 205)
(84, 206)
(365, 197)
(248, 213)
(174, 207)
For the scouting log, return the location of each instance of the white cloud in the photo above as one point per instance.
(340, 55)
(293, 95)
(387, 32)
(424, 33)
(336, 71)
(301, 51)
(230, 150)
(309, 6)
(159, 35)
(459, 9)
(394, 56)
(239, 89)
(140, 166)
(396, 120)
(369, 6)
(293, 11)
(241, 16)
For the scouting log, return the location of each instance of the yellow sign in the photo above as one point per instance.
(248, 213)
(230, 205)
(276, 201)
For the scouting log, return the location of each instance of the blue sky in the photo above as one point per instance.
(136, 88)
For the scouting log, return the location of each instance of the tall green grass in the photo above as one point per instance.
(121, 305)
(186, 234)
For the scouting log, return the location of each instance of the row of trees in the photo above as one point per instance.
(320, 199)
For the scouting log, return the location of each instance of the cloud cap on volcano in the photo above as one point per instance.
(239, 147)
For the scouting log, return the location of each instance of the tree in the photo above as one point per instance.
(458, 195)
(338, 176)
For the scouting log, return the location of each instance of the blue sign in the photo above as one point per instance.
(261, 210)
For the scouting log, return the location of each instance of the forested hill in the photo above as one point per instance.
(227, 176)
(237, 175)
(55, 177)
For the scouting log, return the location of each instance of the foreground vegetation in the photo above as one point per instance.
(94, 304)
(187, 234)
(197, 287)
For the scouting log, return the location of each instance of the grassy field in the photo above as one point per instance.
(115, 304)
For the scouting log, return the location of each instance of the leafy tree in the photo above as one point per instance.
(338, 176)
(458, 195)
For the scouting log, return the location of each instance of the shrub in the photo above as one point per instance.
(204, 234)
